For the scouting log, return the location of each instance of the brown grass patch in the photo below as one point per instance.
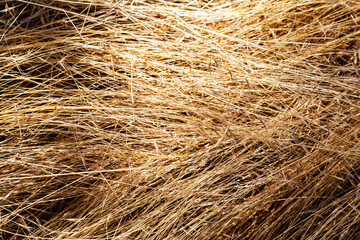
(179, 119)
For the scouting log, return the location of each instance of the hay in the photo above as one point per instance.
(179, 119)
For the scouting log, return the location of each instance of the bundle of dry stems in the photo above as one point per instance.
(181, 119)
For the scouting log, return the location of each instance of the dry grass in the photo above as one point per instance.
(179, 119)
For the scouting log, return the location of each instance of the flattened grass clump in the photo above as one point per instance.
(179, 119)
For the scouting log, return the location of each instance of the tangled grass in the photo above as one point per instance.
(179, 119)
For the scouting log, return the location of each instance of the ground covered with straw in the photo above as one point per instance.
(180, 119)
